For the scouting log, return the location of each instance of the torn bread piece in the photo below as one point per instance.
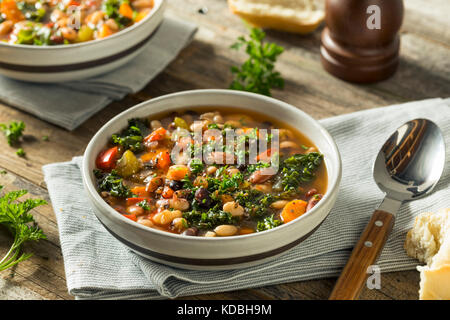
(297, 16)
(429, 242)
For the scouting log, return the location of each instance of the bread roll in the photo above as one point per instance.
(298, 16)
(429, 242)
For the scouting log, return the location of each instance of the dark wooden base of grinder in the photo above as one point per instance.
(360, 65)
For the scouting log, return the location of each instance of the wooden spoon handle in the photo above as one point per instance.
(364, 254)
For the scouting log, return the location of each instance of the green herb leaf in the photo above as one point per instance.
(257, 74)
(16, 218)
(13, 131)
(20, 152)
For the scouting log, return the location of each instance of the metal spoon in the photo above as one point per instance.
(407, 167)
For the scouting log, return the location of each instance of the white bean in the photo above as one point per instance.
(112, 24)
(166, 217)
(289, 144)
(179, 224)
(225, 230)
(280, 204)
(140, 4)
(179, 204)
(232, 171)
(146, 222)
(155, 124)
(263, 188)
(211, 170)
(234, 208)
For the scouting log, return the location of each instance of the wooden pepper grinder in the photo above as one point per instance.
(360, 42)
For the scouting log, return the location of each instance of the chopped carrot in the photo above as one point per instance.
(140, 191)
(163, 160)
(293, 209)
(246, 230)
(177, 172)
(264, 156)
(146, 157)
(126, 10)
(11, 11)
(156, 135)
(105, 31)
(130, 216)
(167, 193)
(131, 201)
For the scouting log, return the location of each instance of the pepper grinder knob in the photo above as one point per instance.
(361, 41)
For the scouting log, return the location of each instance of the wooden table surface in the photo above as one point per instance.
(424, 72)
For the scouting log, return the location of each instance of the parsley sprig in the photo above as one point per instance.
(13, 131)
(15, 216)
(257, 74)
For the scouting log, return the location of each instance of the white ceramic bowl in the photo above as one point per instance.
(80, 60)
(201, 253)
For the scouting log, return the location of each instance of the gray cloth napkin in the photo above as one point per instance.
(69, 104)
(99, 267)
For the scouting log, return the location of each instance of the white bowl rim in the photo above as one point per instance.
(157, 7)
(335, 179)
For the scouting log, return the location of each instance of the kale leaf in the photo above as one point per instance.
(268, 223)
(132, 137)
(298, 169)
(112, 183)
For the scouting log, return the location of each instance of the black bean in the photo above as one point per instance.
(175, 185)
(192, 231)
(242, 167)
(202, 197)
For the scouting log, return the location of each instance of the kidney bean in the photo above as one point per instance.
(262, 175)
(311, 192)
(134, 209)
(202, 196)
(192, 231)
(175, 185)
(313, 201)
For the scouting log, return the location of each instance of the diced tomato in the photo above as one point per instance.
(73, 3)
(163, 160)
(140, 191)
(156, 135)
(131, 201)
(106, 160)
(130, 216)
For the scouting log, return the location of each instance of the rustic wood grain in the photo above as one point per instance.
(424, 72)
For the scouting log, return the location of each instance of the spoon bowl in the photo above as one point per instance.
(404, 168)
